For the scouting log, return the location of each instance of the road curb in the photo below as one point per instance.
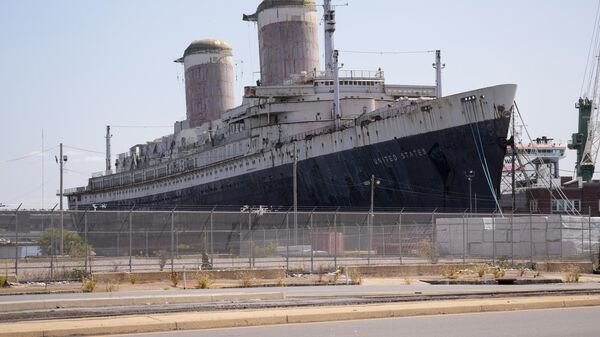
(18, 306)
(241, 318)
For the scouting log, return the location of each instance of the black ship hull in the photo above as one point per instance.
(424, 172)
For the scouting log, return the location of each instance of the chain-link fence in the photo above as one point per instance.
(59, 245)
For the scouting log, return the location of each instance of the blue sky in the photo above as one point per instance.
(71, 67)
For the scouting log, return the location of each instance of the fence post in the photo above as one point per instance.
(590, 234)
(370, 235)
(464, 240)
(172, 240)
(287, 241)
(312, 248)
(147, 253)
(130, 240)
(335, 239)
(17, 243)
(400, 235)
(52, 243)
(512, 240)
(494, 239)
(530, 238)
(546, 239)
(434, 237)
(383, 239)
(251, 245)
(560, 228)
(85, 240)
(212, 231)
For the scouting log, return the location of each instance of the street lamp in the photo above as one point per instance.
(371, 182)
(470, 175)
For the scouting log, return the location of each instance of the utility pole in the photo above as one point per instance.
(470, 175)
(61, 162)
(514, 157)
(438, 65)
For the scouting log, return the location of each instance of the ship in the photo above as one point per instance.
(310, 137)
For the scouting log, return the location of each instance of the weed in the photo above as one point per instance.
(480, 270)
(115, 267)
(112, 286)
(573, 273)
(3, 282)
(175, 279)
(499, 272)
(88, 285)
(167, 288)
(281, 283)
(246, 281)
(355, 276)
(162, 259)
(77, 274)
(320, 273)
(522, 272)
(203, 281)
(133, 278)
(451, 272)
(425, 249)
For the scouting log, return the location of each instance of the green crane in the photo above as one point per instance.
(583, 140)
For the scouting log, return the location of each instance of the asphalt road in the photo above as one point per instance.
(579, 322)
(314, 291)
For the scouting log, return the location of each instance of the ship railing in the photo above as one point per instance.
(73, 190)
(351, 74)
(387, 112)
(316, 132)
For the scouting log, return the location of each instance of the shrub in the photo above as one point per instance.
(88, 285)
(112, 286)
(355, 276)
(175, 279)
(3, 282)
(77, 274)
(133, 278)
(281, 283)
(204, 281)
(246, 281)
(425, 249)
(573, 274)
(320, 272)
(480, 270)
(206, 265)
(73, 244)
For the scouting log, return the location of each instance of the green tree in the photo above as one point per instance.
(73, 243)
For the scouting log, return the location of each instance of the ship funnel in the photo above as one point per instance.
(209, 80)
(287, 37)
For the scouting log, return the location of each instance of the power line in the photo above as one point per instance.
(35, 154)
(83, 150)
(142, 126)
(387, 52)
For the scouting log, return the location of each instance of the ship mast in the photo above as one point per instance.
(332, 59)
(108, 137)
(438, 65)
